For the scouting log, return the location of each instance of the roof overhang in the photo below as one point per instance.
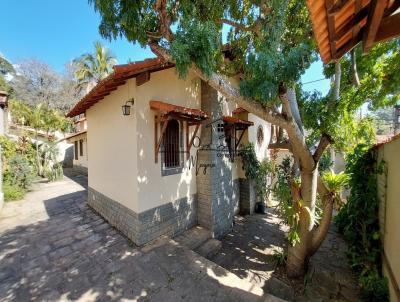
(339, 25)
(178, 112)
(75, 134)
(119, 76)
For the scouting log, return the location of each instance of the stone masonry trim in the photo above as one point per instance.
(167, 219)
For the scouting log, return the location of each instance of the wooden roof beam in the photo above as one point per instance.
(359, 16)
(331, 27)
(339, 5)
(377, 8)
(390, 28)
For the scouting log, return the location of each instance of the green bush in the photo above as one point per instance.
(358, 220)
(13, 192)
(19, 172)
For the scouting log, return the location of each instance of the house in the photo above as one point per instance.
(79, 143)
(162, 152)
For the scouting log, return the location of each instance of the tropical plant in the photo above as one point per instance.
(52, 170)
(358, 220)
(40, 118)
(255, 170)
(92, 68)
(335, 182)
(270, 44)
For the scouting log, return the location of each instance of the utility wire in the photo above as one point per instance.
(315, 81)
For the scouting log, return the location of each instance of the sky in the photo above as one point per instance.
(58, 31)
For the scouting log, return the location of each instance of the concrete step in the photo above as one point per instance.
(194, 237)
(209, 248)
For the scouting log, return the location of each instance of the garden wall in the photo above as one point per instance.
(389, 212)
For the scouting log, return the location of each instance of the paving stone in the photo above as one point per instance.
(280, 289)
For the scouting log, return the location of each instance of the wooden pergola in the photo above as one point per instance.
(339, 25)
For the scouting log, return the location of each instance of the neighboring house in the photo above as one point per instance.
(167, 161)
(79, 142)
(64, 157)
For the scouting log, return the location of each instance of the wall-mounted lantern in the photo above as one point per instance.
(126, 109)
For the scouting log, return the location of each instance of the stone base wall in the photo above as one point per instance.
(247, 197)
(168, 219)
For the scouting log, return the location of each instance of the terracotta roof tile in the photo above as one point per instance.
(119, 76)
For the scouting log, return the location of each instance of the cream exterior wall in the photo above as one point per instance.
(389, 209)
(152, 188)
(122, 165)
(112, 165)
(262, 150)
(82, 161)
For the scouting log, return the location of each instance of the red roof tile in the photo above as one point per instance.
(239, 110)
(119, 76)
(235, 120)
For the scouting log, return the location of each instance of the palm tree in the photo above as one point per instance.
(91, 68)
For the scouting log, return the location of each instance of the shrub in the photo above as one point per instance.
(13, 192)
(358, 220)
(19, 172)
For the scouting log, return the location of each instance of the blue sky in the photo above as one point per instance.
(58, 31)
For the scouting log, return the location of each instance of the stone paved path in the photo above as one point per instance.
(54, 248)
(248, 251)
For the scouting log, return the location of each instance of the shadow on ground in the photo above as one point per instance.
(249, 252)
(75, 255)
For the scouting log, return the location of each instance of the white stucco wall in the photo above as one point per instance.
(152, 188)
(82, 159)
(261, 150)
(112, 164)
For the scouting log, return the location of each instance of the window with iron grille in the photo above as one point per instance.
(172, 143)
(81, 147)
(76, 150)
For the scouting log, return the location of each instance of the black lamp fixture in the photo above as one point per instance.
(126, 109)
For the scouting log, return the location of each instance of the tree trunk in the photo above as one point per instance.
(39, 166)
(304, 198)
(299, 254)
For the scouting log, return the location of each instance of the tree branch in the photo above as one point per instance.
(254, 28)
(338, 76)
(220, 84)
(297, 139)
(356, 79)
(320, 232)
(164, 19)
(324, 142)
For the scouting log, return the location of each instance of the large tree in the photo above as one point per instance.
(35, 82)
(269, 44)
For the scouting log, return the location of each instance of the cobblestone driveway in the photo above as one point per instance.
(54, 248)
